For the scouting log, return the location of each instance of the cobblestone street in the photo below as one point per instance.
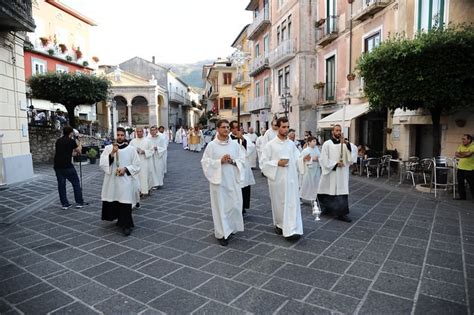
(403, 253)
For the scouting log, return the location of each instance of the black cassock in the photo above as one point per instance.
(246, 189)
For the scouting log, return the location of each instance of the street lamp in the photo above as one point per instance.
(285, 100)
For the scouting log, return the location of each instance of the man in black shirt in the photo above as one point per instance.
(65, 170)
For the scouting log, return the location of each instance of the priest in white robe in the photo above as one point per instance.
(121, 165)
(157, 165)
(178, 136)
(252, 155)
(184, 138)
(165, 134)
(310, 170)
(247, 147)
(280, 166)
(269, 135)
(145, 151)
(335, 160)
(223, 164)
(259, 145)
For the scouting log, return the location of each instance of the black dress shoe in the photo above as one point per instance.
(293, 237)
(127, 231)
(244, 211)
(278, 230)
(223, 241)
(137, 206)
(344, 218)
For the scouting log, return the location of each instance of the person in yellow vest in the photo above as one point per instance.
(465, 154)
(195, 139)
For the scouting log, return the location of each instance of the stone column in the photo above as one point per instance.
(152, 116)
(129, 114)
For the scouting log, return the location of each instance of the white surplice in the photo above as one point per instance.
(184, 139)
(335, 182)
(283, 185)
(248, 174)
(120, 188)
(178, 136)
(146, 147)
(310, 173)
(252, 150)
(269, 135)
(224, 185)
(259, 148)
(165, 154)
(157, 167)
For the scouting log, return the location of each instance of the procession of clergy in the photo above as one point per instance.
(294, 174)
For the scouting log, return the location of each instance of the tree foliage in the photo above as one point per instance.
(433, 71)
(69, 89)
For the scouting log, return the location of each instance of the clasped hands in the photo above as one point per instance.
(121, 171)
(226, 159)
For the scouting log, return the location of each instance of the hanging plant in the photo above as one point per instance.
(44, 41)
(319, 85)
(63, 48)
(96, 59)
(351, 77)
(78, 53)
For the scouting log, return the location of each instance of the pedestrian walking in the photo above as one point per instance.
(336, 158)
(465, 154)
(64, 148)
(121, 164)
(279, 164)
(157, 172)
(223, 165)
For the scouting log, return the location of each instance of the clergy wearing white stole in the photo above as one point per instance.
(121, 165)
(145, 152)
(223, 165)
(247, 147)
(310, 170)
(165, 134)
(157, 166)
(252, 137)
(333, 190)
(280, 166)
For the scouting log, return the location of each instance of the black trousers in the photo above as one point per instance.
(246, 197)
(468, 176)
(120, 211)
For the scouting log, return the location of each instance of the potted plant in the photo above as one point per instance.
(68, 58)
(92, 155)
(44, 41)
(95, 58)
(51, 51)
(78, 53)
(27, 45)
(63, 48)
(85, 63)
(351, 77)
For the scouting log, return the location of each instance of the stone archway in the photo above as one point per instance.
(162, 115)
(140, 115)
(121, 106)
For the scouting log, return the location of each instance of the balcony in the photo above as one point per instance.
(259, 24)
(187, 101)
(364, 9)
(241, 81)
(284, 52)
(328, 31)
(176, 98)
(326, 94)
(212, 93)
(16, 15)
(258, 103)
(357, 88)
(258, 65)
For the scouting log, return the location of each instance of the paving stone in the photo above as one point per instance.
(165, 252)
(45, 303)
(68, 281)
(352, 286)
(27, 260)
(31, 292)
(118, 277)
(186, 245)
(397, 285)
(221, 269)
(259, 302)
(214, 308)
(92, 293)
(402, 269)
(75, 308)
(252, 278)
(446, 275)
(379, 303)
(178, 301)
(341, 253)
(333, 301)
(363, 269)
(159, 268)
(17, 283)
(99, 269)
(330, 264)
(261, 249)
(130, 258)
(426, 305)
(444, 259)
(407, 254)
(234, 257)
(119, 304)
(192, 260)
(443, 290)
(287, 288)
(66, 255)
(221, 289)
(187, 278)
(145, 289)
(109, 250)
(317, 278)
(264, 265)
(291, 256)
(84, 262)
(297, 307)
(10, 271)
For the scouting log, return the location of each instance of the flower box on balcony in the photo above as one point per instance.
(63, 48)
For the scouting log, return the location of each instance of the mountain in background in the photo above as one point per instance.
(190, 73)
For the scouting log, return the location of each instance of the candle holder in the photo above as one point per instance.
(316, 211)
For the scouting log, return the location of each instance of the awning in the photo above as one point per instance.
(47, 105)
(411, 117)
(352, 111)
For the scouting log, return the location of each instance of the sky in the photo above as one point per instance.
(174, 31)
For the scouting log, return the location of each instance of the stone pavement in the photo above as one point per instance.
(403, 253)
